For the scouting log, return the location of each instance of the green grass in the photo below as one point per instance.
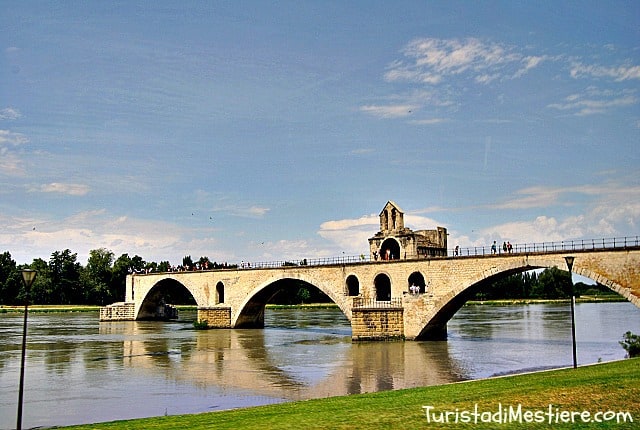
(608, 298)
(50, 308)
(611, 386)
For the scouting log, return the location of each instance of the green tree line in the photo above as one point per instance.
(551, 283)
(63, 280)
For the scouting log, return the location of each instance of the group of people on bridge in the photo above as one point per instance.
(506, 248)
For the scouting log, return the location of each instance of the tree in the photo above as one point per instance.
(65, 278)
(96, 277)
(123, 266)
(554, 283)
(204, 262)
(303, 295)
(631, 344)
(41, 291)
(9, 282)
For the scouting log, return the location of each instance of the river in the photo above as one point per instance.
(81, 371)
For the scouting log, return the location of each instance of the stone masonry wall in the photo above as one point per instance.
(121, 311)
(377, 324)
(215, 317)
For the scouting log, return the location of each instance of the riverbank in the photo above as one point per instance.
(51, 308)
(605, 298)
(556, 397)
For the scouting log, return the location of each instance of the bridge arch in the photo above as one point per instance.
(219, 293)
(162, 293)
(251, 311)
(416, 279)
(353, 285)
(390, 249)
(382, 286)
(150, 296)
(447, 306)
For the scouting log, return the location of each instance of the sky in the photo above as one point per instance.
(262, 131)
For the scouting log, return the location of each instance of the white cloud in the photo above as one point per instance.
(431, 61)
(362, 151)
(29, 238)
(65, 188)
(618, 74)
(532, 197)
(8, 137)
(10, 164)
(530, 63)
(9, 114)
(429, 121)
(541, 197)
(540, 229)
(605, 219)
(445, 66)
(352, 235)
(244, 211)
(389, 111)
(595, 102)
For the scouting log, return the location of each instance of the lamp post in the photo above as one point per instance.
(28, 276)
(569, 260)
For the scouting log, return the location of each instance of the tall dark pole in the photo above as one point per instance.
(28, 276)
(569, 261)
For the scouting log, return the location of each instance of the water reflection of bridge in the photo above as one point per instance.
(261, 361)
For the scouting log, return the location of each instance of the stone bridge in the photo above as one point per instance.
(374, 295)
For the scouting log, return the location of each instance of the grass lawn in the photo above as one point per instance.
(603, 387)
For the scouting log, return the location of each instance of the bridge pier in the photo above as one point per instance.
(375, 320)
(216, 317)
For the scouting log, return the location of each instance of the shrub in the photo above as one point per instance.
(201, 325)
(631, 343)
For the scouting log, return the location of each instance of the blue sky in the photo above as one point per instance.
(258, 131)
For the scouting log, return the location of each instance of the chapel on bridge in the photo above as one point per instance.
(394, 241)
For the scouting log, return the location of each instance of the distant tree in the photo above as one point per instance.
(41, 290)
(205, 262)
(64, 271)
(187, 262)
(9, 280)
(303, 295)
(554, 283)
(164, 266)
(123, 266)
(96, 276)
(137, 263)
(509, 287)
(529, 282)
(151, 267)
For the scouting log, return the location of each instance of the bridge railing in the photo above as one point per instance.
(565, 245)
(372, 303)
(345, 259)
